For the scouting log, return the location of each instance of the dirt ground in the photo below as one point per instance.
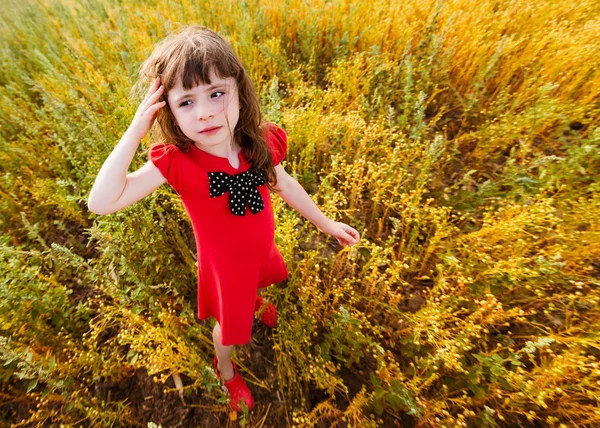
(151, 401)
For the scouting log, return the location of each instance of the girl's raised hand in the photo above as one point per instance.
(345, 234)
(146, 112)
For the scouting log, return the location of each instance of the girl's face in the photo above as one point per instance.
(207, 114)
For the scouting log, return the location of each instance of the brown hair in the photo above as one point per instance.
(191, 54)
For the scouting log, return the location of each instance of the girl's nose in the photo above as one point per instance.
(204, 112)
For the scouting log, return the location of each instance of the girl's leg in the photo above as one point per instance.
(236, 387)
(223, 355)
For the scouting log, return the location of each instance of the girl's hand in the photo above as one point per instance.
(345, 234)
(146, 112)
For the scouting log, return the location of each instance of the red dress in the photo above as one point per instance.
(236, 253)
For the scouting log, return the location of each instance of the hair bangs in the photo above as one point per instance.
(194, 66)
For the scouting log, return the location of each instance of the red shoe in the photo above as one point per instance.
(268, 314)
(237, 389)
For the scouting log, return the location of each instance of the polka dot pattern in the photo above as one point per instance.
(242, 190)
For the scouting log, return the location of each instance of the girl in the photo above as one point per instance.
(222, 160)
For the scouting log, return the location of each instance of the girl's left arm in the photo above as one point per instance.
(294, 194)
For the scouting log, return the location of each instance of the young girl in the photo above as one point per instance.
(222, 160)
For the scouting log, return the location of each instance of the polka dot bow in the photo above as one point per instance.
(242, 190)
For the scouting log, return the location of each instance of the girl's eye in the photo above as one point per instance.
(217, 94)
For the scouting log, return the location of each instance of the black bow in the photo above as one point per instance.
(242, 190)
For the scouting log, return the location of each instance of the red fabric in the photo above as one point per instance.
(236, 254)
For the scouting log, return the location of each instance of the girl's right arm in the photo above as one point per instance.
(113, 188)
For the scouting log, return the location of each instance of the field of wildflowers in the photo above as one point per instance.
(460, 137)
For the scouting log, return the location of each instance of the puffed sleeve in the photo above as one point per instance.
(276, 138)
(167, 158)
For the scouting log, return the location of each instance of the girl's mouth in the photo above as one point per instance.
(209, 131)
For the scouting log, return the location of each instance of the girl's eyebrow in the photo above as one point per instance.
(210, 88)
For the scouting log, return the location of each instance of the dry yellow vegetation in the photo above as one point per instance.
(460, 137)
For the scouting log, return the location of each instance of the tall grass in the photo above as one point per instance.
(460, 137)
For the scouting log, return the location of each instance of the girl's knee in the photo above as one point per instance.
(216, 334)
